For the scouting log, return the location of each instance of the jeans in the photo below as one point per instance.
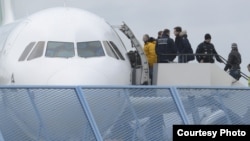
(235, 73)
(151, 74)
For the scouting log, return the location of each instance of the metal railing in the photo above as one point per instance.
(224, 61)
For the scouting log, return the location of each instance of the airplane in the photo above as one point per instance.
(66, 46)
(51, 46)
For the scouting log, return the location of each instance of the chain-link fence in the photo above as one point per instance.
(115, 113)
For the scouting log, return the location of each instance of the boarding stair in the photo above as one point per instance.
(141, 69)
(243, 75)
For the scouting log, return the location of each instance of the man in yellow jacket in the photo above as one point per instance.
(149, 50)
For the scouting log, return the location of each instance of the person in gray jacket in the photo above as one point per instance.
(233, 62)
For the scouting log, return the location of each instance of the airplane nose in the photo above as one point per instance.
(78, 76)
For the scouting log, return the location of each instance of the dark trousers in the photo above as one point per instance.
(182, 59)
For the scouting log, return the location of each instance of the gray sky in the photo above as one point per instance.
(226, 20)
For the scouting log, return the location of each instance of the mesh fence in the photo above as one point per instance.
(43, 114)
(132, 113)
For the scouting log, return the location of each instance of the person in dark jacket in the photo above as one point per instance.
(233, 62)
(179, 44)
(206, 52)
(165, 48)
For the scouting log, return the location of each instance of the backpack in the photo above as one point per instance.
(134, 58)
(188, 50)
(191, 52)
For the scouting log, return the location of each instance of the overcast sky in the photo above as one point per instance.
(226, 20)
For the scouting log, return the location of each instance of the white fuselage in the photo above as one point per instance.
(61, 25)
(39, 65)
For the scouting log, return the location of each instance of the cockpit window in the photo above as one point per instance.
(37, 51)
(117, 50)
(90, 49)
(60, 49)
(26, 51)
(112, 50)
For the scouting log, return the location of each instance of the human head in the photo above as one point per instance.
(177, 30)
(166, 31)
(145, 37)
(159, 33)
(234, 45)
(207, 37)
